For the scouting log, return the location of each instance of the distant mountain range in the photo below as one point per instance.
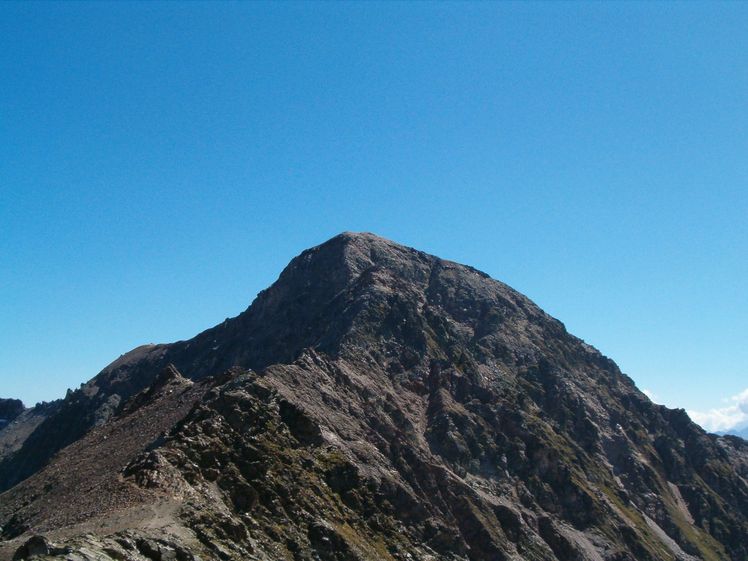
(742, 433)
(376, 403)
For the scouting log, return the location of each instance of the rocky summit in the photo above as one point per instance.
(376, 403)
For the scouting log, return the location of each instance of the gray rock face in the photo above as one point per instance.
(376, 403)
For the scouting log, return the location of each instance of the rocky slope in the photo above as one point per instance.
(375, 403)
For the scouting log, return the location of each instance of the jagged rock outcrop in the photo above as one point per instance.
(9, 410)
(375, 403)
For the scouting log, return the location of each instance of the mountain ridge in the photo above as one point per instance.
(379, 402)
(345, 254)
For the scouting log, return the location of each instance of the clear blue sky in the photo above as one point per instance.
(161, 163)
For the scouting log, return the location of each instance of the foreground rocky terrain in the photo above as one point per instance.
(375, 403)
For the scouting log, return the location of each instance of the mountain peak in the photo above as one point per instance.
(379, 402)
(359, 238)
(345, 256)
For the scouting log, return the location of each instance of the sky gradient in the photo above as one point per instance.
(162, 162)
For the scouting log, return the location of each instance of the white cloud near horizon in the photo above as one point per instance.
(731, 417)
(651, 395)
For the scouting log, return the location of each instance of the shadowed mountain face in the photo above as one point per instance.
(9, 410)
(374, 403)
